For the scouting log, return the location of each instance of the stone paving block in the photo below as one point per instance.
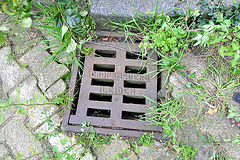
(7, 113)
(49, 127)
(58, 88)
(19, 139)
(109, 151)
(11, 73)
(20, 50)
(46, 74)
(39, 113)
(76, 149)
(3, 152)
(27, 90)
(155, 152)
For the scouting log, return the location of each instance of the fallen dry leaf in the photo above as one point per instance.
(111, 39)
(104, 39)
(212, 111)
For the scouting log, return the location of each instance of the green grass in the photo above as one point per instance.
(170, 38)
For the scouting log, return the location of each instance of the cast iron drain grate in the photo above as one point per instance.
(116, 90)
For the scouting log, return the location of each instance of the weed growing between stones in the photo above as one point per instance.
(3, 36)
(19, 10)
(66, 26)
(171, 39)
(216, 7)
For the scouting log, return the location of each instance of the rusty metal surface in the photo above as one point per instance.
(115, 87)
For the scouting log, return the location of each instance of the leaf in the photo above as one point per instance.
(212, 111)
(188, 84)
(205, 39)
(4, 7)
(235, 46)
(220, 17)
(64, 30)
(72, 17)
(63, 141)
(62, 1)
(22, 110)
(72, 46)
(34, 99)
(80, 32)
(234, 1)
(222, 49)
(198, 87)
(58, 20)
(83, 13)
(216, 40)
(229, 37)
(226, 139)
(19, 154)
(192, 75)
(234, 62)
(3, 28)
(26, 22)
(236, 141)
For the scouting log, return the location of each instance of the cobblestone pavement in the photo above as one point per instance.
(31, 134)
(25, 78)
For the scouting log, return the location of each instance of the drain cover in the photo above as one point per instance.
(116, 90)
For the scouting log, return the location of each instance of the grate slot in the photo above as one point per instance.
(135, 55)
(134, 84)
(104, 67)
(92, 112)
(102, 82)
(135, 69)
(105, 53)
(134, 99)
(100, 97)
(132, 115)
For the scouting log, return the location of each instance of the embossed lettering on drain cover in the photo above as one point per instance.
(116, 89)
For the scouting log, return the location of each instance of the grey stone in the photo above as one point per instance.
(109, 151)
(21, 49)
(155, 152)
(3, 152)
(10, 71)
(101, 10)
(19, 139)
(58, 88)
(39, 113)
(70, 147)
(7, 113)
(46, 73)
(49, 127)
(26, 91)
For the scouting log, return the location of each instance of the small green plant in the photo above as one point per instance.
(3, 36)
(232, 113)
(19, 10)
(213, 34)
(237, 140)
(186, 152)
(146, 139)
(215, 7)
(121, 156)
(218, 156)
(70, 26)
